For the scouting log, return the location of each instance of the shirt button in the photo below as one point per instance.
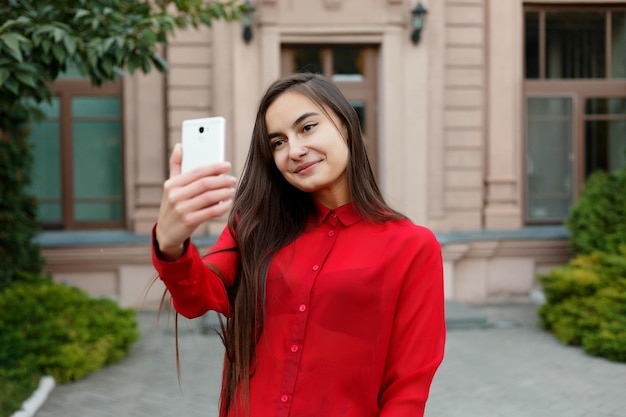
(294, 348)
(316, 267)
(284, 398)
(331, 233)
(302, 308)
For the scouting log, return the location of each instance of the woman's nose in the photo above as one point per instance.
(296, 150)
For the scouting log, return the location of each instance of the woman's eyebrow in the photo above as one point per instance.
(295, 123)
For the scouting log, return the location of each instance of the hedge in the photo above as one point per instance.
(586, 304)
(52, 329)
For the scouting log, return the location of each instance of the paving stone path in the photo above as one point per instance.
(511, 369)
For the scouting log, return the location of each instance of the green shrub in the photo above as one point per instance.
(586, 304)
(61, 331)
(598, 220)
(16, 385)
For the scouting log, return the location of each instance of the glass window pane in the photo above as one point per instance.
(46, 144)
(549, 158)
(618, 45)
(45, 140)
(605, 145)
(85, 212)
(96, 106)
(97, 159)
(549, 106)
(348, 63)
(575, 45)
(49, 213)
(605, 106)
(359, 106)
(531, 44)
(307, 59)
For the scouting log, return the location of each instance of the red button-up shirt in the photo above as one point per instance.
(354, 322)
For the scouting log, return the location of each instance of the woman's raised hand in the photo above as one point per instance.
(189, 200)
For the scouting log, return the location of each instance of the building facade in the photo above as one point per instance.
(484, 130)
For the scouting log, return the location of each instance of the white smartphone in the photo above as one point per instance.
(203, 142)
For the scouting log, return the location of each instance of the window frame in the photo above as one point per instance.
(65, 90)
(579, 89)
(543, 9)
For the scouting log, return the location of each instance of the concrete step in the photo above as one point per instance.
(462, 316)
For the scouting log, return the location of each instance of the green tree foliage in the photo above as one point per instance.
(17, 209)
(598, 220)
(39, 40)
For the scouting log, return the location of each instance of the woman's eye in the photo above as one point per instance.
(309, 126)
(277, 143)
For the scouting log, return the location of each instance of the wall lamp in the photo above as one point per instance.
(419, 16)
(246, 20)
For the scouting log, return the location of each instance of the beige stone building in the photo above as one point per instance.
(484, 130)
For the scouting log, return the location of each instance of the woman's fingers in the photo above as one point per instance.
(176, 159)
(192, 198)
(213, 170)
(189, 200)
(198, 217)
(178, 189)
(203, 200)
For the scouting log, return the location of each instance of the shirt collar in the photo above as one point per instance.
(346, 214)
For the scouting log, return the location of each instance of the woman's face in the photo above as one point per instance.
(309, 148)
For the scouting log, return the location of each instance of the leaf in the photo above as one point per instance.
(132, 63)
(148, 36)
(159, 63)
(12, 22)
(118, 72)
(108, 42)
(12, 41)
(92, 58)
(26, 78)
(145, 65)
(46, 45)
(45, 29)
(70, 44)
(119, 55)
(107, 65)
(4, 75)
(12, 85)
(59, 52)
(58, 34)
(82, 13)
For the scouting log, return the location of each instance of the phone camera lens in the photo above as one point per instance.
(201, 129)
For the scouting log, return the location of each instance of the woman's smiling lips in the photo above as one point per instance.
(305, 168)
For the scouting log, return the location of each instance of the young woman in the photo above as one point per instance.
(334, 300)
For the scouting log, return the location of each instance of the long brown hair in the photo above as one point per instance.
(268, 213)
